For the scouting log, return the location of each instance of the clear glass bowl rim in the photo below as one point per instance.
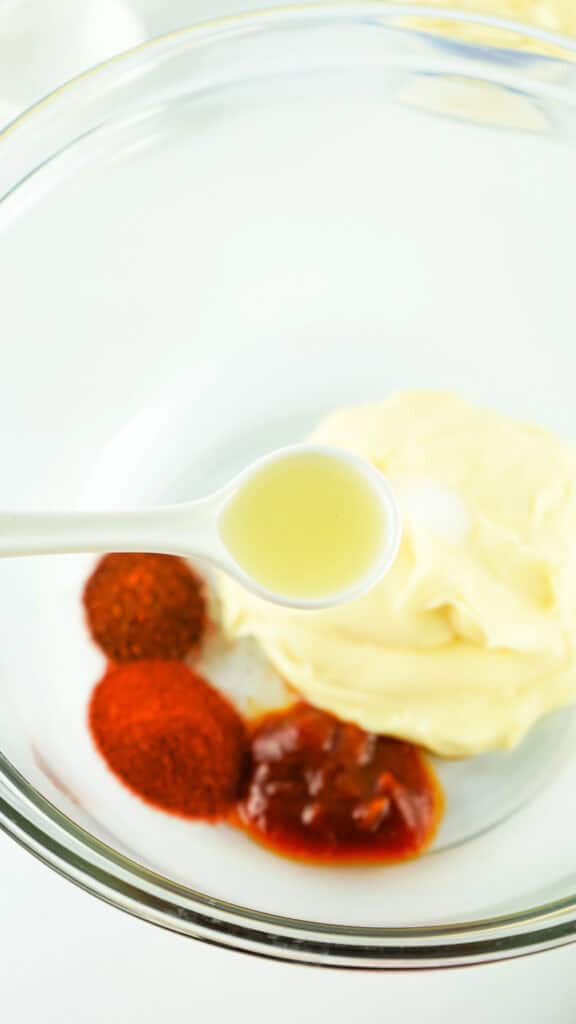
(57, 841)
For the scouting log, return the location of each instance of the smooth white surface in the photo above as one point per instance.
(48, 42)
(66, 957)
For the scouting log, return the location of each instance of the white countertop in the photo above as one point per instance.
(64, 956)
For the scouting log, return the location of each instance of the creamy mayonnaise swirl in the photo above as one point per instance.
(471, 636)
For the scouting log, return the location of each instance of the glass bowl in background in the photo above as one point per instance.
(206, 244)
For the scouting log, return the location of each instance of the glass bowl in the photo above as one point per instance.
(205, 244)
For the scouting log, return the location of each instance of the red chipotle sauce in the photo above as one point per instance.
(325, 791)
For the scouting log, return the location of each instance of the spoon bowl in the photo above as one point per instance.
(383, 556)
(194, 529)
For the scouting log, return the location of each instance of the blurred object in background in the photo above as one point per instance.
(43, 43)
(557, 16)
(549, 15)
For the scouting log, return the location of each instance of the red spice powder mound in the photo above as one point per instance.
(170, 737)
(144, 606)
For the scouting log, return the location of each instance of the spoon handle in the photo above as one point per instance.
(173, 529)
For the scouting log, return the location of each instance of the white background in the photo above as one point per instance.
(66, 957)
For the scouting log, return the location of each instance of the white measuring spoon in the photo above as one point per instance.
(192, 529)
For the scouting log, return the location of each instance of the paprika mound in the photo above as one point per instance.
(144, 606)
(170, 737)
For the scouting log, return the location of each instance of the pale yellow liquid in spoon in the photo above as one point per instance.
(309, 525)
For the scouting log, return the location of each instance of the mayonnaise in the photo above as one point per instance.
(470, 637)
